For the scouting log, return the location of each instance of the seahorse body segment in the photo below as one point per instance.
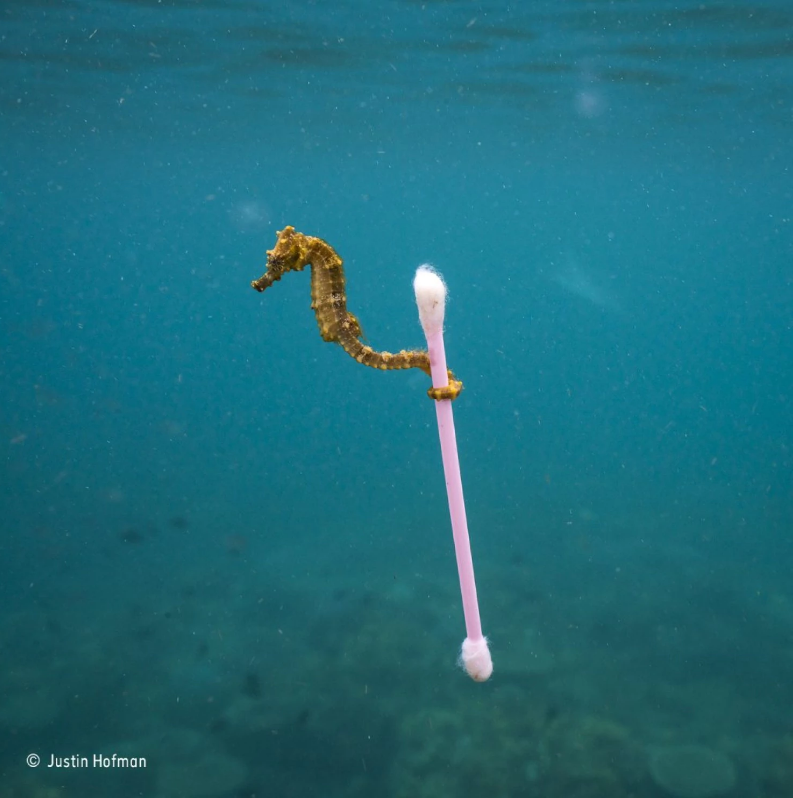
(294, 251)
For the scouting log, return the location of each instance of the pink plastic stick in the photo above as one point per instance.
(475, 655)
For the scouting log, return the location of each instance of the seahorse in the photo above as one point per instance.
(294, 251)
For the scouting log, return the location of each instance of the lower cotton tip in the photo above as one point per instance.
(475, 658)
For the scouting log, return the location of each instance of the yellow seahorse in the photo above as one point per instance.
(294, 251)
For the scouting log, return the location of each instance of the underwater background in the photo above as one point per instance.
(226, 546)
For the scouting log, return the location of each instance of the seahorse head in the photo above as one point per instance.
(287, 254)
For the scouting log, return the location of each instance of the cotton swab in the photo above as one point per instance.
(431, 299)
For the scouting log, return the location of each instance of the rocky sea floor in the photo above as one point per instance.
(620, 672)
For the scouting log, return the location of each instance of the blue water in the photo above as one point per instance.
(226, 546)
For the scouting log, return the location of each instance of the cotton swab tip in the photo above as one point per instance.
(431, 298)
(475, 658)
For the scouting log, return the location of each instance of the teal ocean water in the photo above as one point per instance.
(226, 550)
